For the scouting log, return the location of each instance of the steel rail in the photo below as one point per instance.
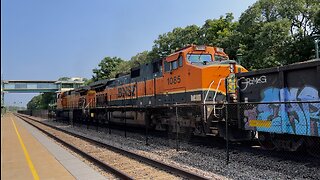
(101, 164)
(158, 164)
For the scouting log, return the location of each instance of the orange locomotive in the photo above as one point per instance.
(192, 78)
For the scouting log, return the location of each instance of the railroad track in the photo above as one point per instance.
(122, 163)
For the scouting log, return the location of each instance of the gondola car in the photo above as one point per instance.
(282, 104)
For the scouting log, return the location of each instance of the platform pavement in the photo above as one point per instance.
(28, 154)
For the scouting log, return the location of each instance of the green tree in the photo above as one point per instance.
(178, 38)
(140, 58)
(41, 101)
(106, 68)
(277, 32)
(34, 103)
(87, 81)
(110, 67)
(64, 79)
(122, 68)
(269, 33)
(216, 32)
(137, 60)
(316, 20)
(46, 99)
(221, 33)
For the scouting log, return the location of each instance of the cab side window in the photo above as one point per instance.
(180, 61)
(173, 65)
(167, 67)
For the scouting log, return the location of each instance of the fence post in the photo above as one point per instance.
(125, 123)
(177, 132)
(227, 136)
(147, 124)
(68, 118)
(73, 118)
(109, 117)
(87, 119)
(97, 124)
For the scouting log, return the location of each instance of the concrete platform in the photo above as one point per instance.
(28, 154)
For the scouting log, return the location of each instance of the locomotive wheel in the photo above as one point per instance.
(265, 141)
(313, 146)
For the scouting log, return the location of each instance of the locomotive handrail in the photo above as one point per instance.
(88, 104)
(215, 95)
(216, 91)
(205, 98)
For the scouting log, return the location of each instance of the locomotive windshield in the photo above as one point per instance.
(199, 58)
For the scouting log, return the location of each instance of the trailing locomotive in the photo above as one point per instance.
(193, 77)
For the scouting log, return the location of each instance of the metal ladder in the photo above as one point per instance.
(213, 129)
(214, 96)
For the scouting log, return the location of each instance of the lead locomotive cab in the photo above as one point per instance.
(196, 75)
(199, 73)
(189, 72)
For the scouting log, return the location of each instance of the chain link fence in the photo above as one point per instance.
(285, 126)
(42, 113)
(270, 127)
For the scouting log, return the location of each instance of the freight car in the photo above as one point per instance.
(193, 77)
(282, 104)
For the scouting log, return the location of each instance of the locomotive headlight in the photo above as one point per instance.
(232, 67)
(233, 97)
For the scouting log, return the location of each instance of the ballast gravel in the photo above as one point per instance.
(207, 161)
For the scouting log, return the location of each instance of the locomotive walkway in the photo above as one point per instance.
(28, 154)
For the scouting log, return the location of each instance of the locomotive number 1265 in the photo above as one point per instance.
(174, 80)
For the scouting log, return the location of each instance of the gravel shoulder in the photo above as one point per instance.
(208, 161)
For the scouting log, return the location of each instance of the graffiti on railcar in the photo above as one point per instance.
(250, 114)
(252, 81)
(301, 117)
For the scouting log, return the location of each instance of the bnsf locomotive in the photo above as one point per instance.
(193, 77)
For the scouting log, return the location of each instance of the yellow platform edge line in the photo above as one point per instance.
(26, 154)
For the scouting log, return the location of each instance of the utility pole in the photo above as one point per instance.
(239, 55)
(2, 96)
(316, 43)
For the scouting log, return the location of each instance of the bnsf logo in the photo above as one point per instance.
(126, 91)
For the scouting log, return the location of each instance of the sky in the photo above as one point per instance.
(45, 39)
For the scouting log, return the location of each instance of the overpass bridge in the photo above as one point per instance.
(38, 86)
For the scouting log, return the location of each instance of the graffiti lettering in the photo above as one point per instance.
(252, 81)
(293, 118)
